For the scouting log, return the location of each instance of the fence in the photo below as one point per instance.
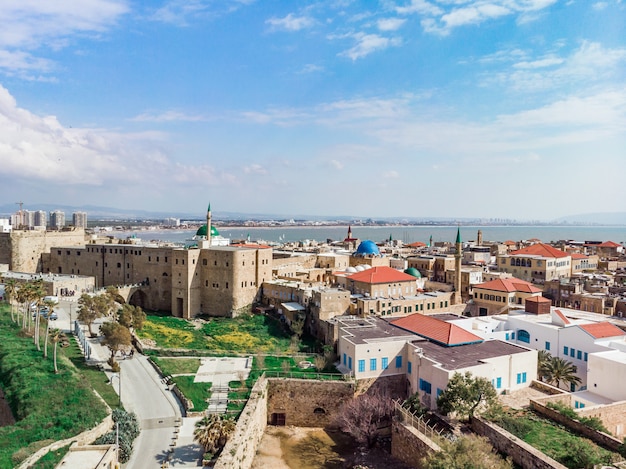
(417, 422)
(305, 375)
(82, 340)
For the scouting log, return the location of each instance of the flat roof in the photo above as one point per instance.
(464, 356)
(372, 329)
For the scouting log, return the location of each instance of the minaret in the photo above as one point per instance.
(349, 231)
(479, 238)
(208, 224)
(457, 268)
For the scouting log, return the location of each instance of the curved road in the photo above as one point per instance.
(142, 392)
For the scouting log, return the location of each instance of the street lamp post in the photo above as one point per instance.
(119, 388)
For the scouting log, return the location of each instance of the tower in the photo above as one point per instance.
(479, 238)
(208, 224)
(349, 232)
(457, 268)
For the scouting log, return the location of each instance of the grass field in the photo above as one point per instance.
(554, 440)
(47, 406)
(244, 334)
(174, 366)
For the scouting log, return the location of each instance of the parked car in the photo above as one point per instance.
(53, 316)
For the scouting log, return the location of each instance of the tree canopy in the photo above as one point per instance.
(465, 394)
(467, 452)
(116, 337)
(363, 416)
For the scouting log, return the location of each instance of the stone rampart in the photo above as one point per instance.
(305, 402)
(601, 438)
(522, 454)
(241, 447)
(409, 445)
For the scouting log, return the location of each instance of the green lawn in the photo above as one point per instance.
(555, 441)
(198, 393)
(176, 366)
(47, 406)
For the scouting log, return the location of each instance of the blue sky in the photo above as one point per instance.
(416, 108)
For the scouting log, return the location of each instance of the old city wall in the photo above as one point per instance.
(410, 446)
(520, 452)
(612, 417)
(25, 248)
(242, 446)
(305, 402)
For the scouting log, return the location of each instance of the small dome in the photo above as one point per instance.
(202, 231)
(367, 248)
(351, 270)
(414, 272)
(366, 266)
(359, 268)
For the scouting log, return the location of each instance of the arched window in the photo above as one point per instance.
(523, 336)
(319, 410)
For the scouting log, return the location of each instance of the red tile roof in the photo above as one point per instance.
(509, 243)
(381, 274)
(436, 330)
(562, 317)
(540, 249)
(608, 244)
(577, 255)
(509, 285)
(602, 330)
(417, 244)
(251, 246)
(538, 299)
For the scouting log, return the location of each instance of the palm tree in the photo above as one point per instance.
(559, 370)
(38, 293)
(10, 291)
(543, 362)
(56, 336)
(50, 305)
(212, 432)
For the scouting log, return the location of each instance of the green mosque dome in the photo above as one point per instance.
(414, 272)
(202, 231)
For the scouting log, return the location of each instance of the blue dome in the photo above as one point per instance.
(367, 248)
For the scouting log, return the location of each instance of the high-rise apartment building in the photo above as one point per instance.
(41, 218)
(79, 219)
(57, 219)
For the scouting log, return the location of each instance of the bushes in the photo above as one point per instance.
(592, 422)
(128, 427)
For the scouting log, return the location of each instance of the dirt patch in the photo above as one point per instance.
(316, 448)
(6, 416)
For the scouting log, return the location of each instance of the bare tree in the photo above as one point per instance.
(364, 416)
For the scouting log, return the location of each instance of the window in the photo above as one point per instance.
(521, 378)
(439, 392)
(507, 336)
(349, 363)
(523, 336)
(512, 335)
(372, 364)
(498, 383)
(425, 386)
(547, 345)
(408, 367)
(398, 361)
(579, 355)
(565, 350)
(572, 352)
(585, 356)
(384, 363)
(344, 359)
(361, 366)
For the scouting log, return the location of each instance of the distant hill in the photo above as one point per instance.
(609, 218)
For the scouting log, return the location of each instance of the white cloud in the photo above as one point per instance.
(168, 116)
(368, 43)
(599, 6)
(182, 12)
(337, 164)
(311, 68)
(290, 23)
(390, 24)
(590, 63)
(446, 15)
(31, 25)
(254, 169)
(392, 174)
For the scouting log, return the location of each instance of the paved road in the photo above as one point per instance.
(142, 392)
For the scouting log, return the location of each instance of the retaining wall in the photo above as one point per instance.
(522, 454)
(410, 446)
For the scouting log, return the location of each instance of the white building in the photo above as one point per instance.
(429, 351)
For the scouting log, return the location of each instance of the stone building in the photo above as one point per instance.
(23, 250)
(500, 295)
(537, 263)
